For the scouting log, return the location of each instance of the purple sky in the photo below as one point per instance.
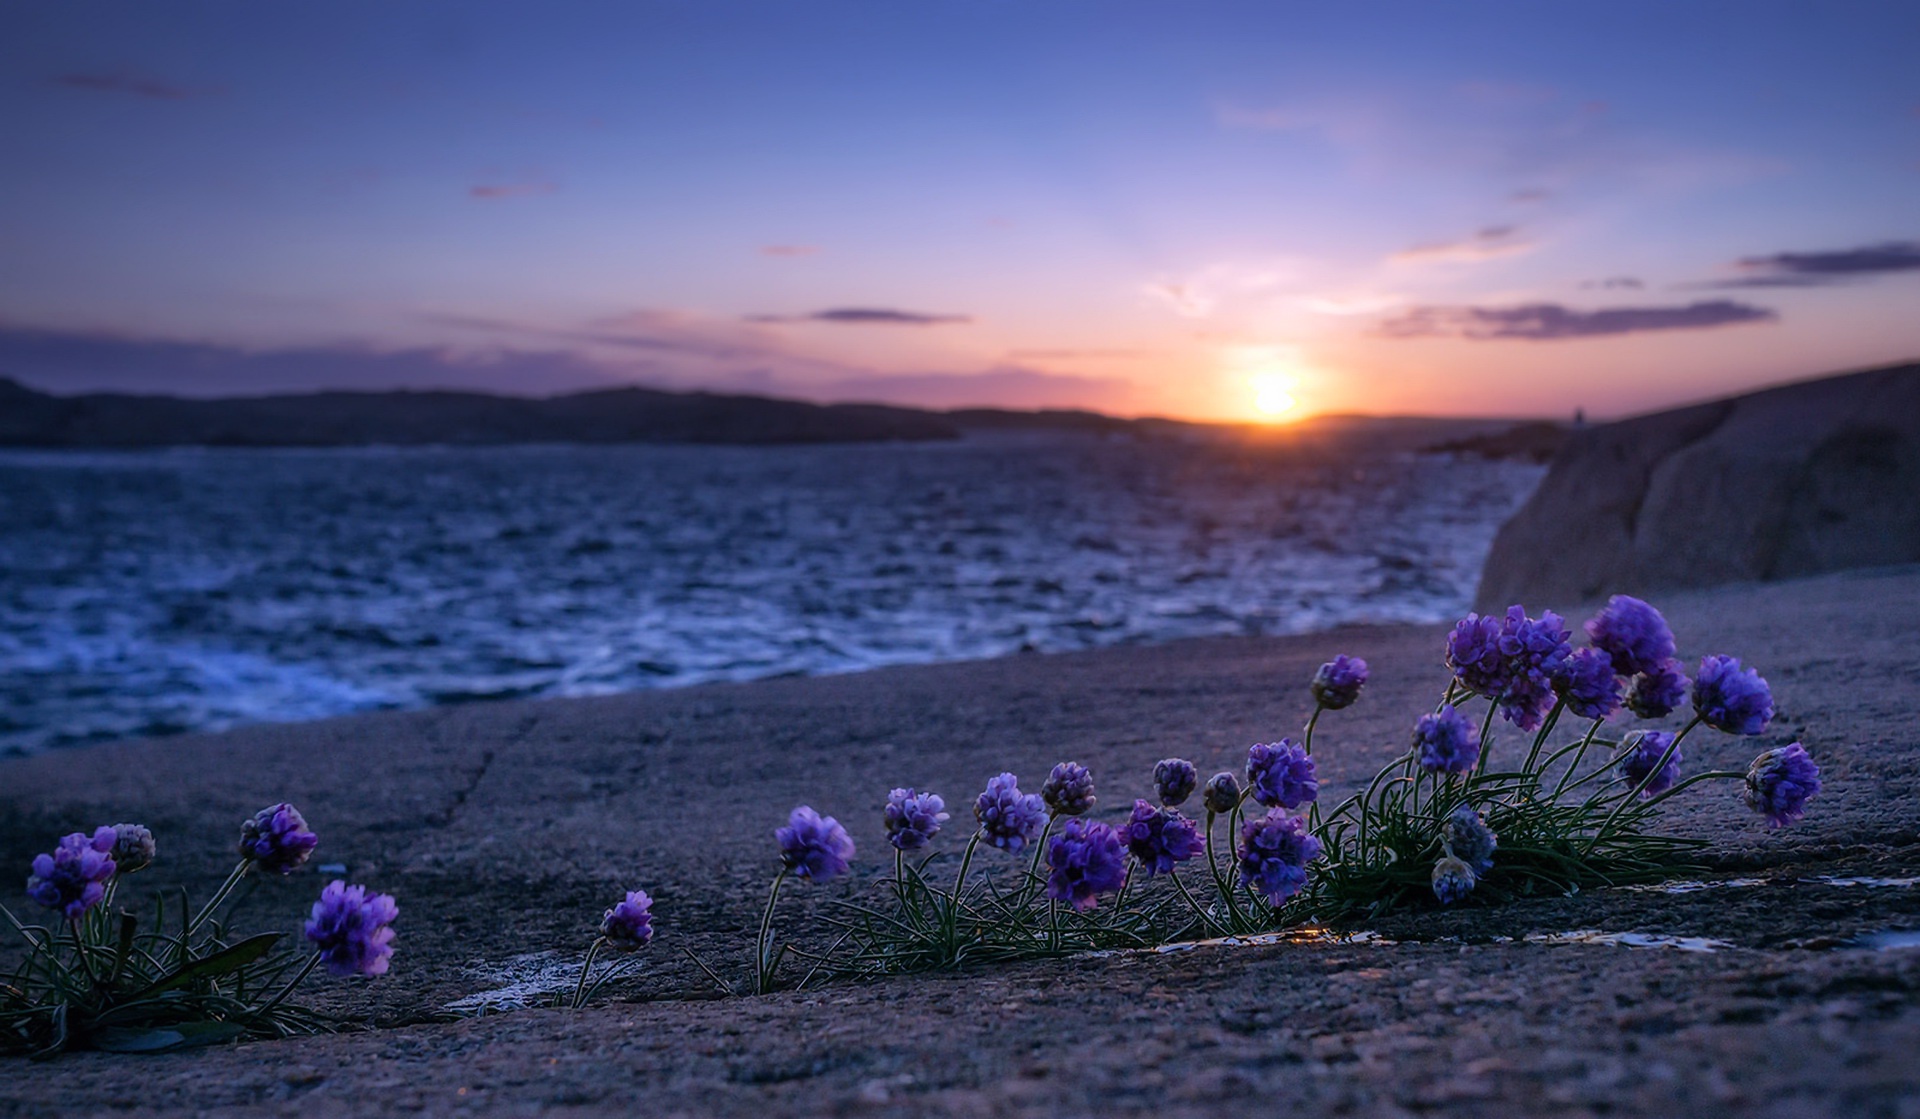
(1195, 209)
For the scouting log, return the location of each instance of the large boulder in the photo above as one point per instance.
(1808, 477)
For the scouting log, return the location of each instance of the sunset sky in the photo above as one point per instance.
(1191, 209)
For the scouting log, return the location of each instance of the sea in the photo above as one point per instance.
(159, 592)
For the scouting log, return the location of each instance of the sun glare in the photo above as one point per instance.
(1271, 400)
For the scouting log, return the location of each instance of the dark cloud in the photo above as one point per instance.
(1552, 322)
(512, 190)
(1614, 283)
(1489, 243)
(866, 316)
(130, 83)
(1783, 270)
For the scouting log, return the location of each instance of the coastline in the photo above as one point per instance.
(504, 828)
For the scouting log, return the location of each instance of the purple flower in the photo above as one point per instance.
(73, 878)
(1447, 742)
(1729, 699)
(1160, 837)
(1009, 819)
(629, 925)
(277, 839)
(1466, 837)
(1633, 634)
(1175, 778)
(1281, 774)
(133, 848)
(1586, 682)
(1338, 682)
(913, 818)
(1452, 880)
(814, 846)
(1274, 852)
(1222, 793)
(1780, 784)
(1473, 652)
(350, 929)
(1643, 753)
(1084, 861)
(1535, 650)
(1657, 692)
(1068, 790)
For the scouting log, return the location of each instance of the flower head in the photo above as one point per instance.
(73, 878)
(1644, 751)
(1274, 852)
(913, 818)
(1473, 652)
(133, 848)
(1729, 699)
(1466, 837)
(1338, 682)
(1780, 784)
(1160, 837)
(1084, 861)
(1656, 692)
(1068, 790)
(1281, 774)
(1535, 649)
(1586, 682)
(1633, 634)
(1447, 742)
(1452, 880)
(1222, 793)
(349, 927)
(1009, 819)
(277, 839)
(1175, 779)
(629, 925)
(814, 846)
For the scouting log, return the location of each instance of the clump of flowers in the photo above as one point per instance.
(1535, 649)
(1175, 779)
(626, 928)
(1009, 819)
(1160, 837)
(813, 846)
(1446, 742)
(1730, 699)
(1586, 683)
(1466, 836)
(1274, 852)
(1281, 774)
(1656, 692)
(133, 848)
(1651, 762)
(73, 879)
(913, 818)
(277, 840)
(1337, 683)
(1632, 634)
(351, 930)
(1084, 861)
(1781, 782)
(1068, 790)
(1473, 653)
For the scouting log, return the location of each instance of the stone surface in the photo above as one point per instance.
(1817, 476)
(505, 829)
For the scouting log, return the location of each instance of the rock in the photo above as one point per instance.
(1805, 478)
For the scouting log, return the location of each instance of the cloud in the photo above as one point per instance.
(1491, 243)
(1831, 266)
(1614, 283)
(528, 189)
(1546, 322)
(788, 250)
(866, 316)
(132, 83)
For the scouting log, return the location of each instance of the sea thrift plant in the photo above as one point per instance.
(1222, 794)
(1586, 683)
(1274, 852)
(1730, 699)
(626, 928)
(1656, 692)
(351, 930)
(1643, 751)
(73, 879)
(1474, 654)
(1281, 774)
(1446, 742)
(1535, 649)
(1632, 634)
(1466, 836)
(1781, 782)
(814, 846)
(1160, 837)
(276, 839)
(1175, 779)
(913, 818)
(1452, 879)
(1009, 819)
(133, 849)
(1337, 683)
(1084, 861)
(1068, 790)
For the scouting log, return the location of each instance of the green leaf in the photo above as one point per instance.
(228, 959)
(185, 1035)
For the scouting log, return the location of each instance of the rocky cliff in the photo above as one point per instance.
(1804, 478)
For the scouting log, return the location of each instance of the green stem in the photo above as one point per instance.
(1312, 720)
(1039, 851)
(1486, 737)
(80, 953)
(763, 969)
(1206, 922)
(219, 896)
(1219, 883)
(1713, 775)
(1546, 728)
(1573, 767)
(288, 989)
(586, 969)
(1667, 756)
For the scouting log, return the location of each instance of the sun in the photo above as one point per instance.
(1271, 400)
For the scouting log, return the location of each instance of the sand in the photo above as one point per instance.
(505, 829)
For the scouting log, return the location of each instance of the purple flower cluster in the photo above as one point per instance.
(1160, 837)
(133, 848)
(1446, 741)
(1535, 650)
(1473, 652)
(74, 877)
(1084, 861)
(913, 818)
(814, 846)
(629, 925)
(1657, 692)
(1452, 880)
(1338, 682)
(1632, 634)
(1222, 794)
(1781, 782)
(1274, 852)
(1587, 684)
(350, 929)
(276, 839)
(1281, 774)
(1466, 837)
(1175, 779)
(1730, 699)
(1643, 752)
(1068, 790)
(1009, 819)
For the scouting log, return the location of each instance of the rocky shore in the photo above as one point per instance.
(504, 830)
